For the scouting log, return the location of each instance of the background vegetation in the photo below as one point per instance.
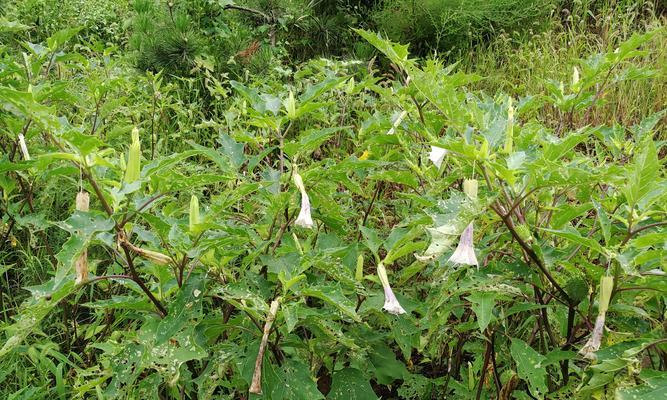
(201, 129)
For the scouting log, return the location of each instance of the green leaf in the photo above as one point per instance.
(371, 239)
(643, 174)
(184, 307)
(403, 177)
(567, 213)
(350, 384)
(61, 37)
(387, 367)
(557, 356)
(85, 144)
(295, 383)
(603, 220)
(397, 53)
(44, 297)
(333, 295)
(574, 236)
(232, 150)
(653, 388)
(529, 366)
(11, 26)
(482, 305)
(86, 224)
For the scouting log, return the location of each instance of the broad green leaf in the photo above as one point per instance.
(295, 383)
(333, 295)
(529, 366)
(574, 236)
(482, 305)
(397, 53)
(350, 384)
(642, 174)
(182, 308)
(653, 388)
(568, 213)
(387, 367)
(603, 221)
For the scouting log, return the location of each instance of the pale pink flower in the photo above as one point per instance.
(391, 304)
(465, 251)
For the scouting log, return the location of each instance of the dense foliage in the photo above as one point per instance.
(182, 218)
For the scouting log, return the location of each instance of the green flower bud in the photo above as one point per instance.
(194, 212)
(470, 187)
(290, 106)
(359, 273)
(132, 172)
(509, 133)
(524, 233)
(606, 286)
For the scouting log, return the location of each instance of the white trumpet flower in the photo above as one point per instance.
(391, 304)
(437, 155)
(304, 219)
(465, 251)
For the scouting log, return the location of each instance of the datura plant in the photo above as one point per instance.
(433, 241)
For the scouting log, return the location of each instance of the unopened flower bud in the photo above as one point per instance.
(194, 212)
(81, 263)
(593, 343)
(509, 133)
(24, 147)
(470, 187)
(290, 106)
(132, 172)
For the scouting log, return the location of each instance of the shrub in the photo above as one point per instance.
(100, 19)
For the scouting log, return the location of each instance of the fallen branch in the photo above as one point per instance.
(256, 385)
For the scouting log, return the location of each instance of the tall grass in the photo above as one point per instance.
(518, 64)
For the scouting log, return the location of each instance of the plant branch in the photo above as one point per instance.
(137, 279)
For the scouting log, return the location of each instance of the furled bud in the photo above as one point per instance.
(437, 155)
(132, 172)
(509, 133)
(465, 251)
(290, 106)
(154, 256)
(593, 343)
(606, 287)
(575, 76)
(470, 187)
(194, 212)
(391, 304)
(359, 272)
(81, 263)
(304, 218)
(397, 122)
(24, 147)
